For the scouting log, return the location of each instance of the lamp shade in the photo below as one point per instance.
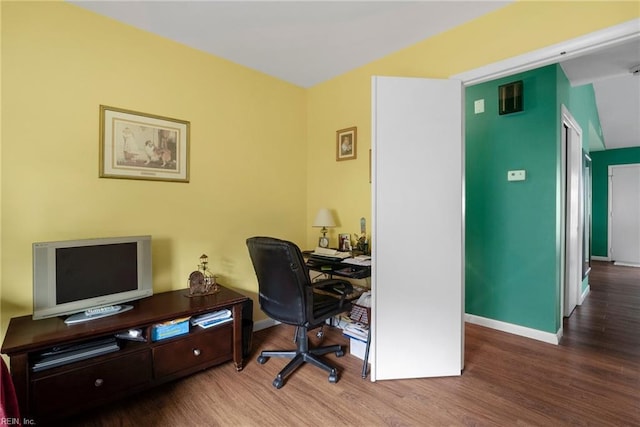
(324, 218)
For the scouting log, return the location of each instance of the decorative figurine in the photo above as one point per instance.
(202, 281)
(362, 243)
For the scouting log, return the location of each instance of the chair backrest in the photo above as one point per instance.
(283, 279)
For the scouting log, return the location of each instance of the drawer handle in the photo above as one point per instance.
(98, 382)
(196, 352)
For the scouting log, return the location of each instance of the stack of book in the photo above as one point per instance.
(212, 319)
(358, 337)
(356, 330)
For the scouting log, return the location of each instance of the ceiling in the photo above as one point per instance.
(308, 42)
(616, 88)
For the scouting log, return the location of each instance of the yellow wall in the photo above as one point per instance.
(248, 151)
(346, 100)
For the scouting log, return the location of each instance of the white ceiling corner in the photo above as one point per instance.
(308, 42)
(302, 42)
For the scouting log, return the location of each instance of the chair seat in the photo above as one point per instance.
(324, 306)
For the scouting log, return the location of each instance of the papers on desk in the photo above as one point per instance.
(329, 253)
(325, 254)
(362, 260)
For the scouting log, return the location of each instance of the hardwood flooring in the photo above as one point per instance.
(591, 379)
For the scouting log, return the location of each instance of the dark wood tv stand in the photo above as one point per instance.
(137, 365)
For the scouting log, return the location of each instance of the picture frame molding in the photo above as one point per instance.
(352, 134)
(162, 157)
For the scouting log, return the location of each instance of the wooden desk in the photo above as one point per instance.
(136, 366)
(359, 276)
(336, 269)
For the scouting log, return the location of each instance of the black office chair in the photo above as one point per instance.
(286, 294)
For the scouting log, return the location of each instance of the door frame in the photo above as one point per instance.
(610, 170)
(571, 218)
(592, 42)
(589, 43)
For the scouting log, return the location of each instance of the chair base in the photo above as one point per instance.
(303, 355)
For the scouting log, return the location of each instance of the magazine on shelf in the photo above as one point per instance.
(215, 322)
(212, 319)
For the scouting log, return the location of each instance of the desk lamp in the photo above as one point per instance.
(324, 219)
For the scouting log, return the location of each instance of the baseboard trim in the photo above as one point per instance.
(626, 264)
(600, 258)
(264, 324)
(584, 294)
(523, 331)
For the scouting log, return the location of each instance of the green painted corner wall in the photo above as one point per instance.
(600, 162)
(511, 248)
(514, 229)
(583, 108)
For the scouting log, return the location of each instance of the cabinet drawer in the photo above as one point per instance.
(91, 384)
(194, 351)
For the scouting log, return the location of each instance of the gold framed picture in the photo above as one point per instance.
(137, 145)
(346, 144)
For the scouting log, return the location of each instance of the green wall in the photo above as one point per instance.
(514, 229)
(511, 246)
(600, 162)
(582, 100)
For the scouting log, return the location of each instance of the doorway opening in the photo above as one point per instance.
(624, 214)
(590, 43)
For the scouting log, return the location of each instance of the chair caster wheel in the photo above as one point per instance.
(278, 383)
(339, 353)
(333, 378)
(262, 360)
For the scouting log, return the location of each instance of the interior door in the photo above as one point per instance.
(417, 228)
(574, 217)
(624, 217)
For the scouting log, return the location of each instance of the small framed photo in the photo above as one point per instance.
(344, 242)
(137, 145)
(346, 144)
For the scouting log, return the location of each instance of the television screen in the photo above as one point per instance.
(78, 275)
(92, 271)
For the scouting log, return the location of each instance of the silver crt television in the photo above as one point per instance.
(90, 277)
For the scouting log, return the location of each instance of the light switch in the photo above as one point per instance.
(519, 175)
(478, 106)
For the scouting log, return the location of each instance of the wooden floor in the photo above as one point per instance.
(591, 378)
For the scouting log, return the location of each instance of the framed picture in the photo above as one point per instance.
(143, 146)
(344, 242)
(346, 140)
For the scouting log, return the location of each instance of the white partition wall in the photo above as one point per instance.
(417, 228)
